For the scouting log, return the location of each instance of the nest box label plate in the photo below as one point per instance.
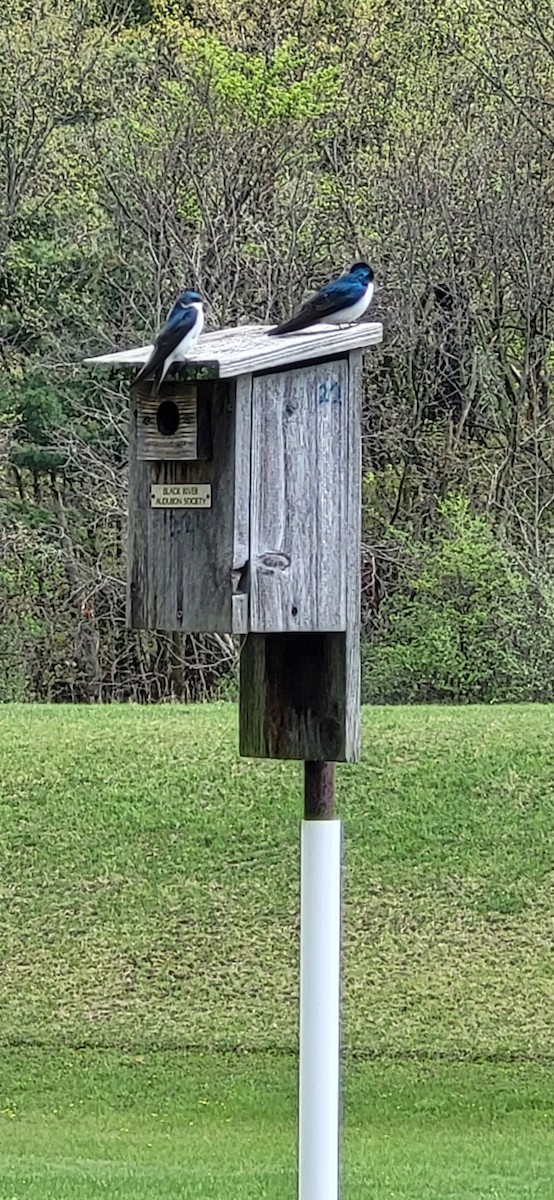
(181, 495)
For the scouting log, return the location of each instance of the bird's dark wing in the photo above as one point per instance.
(178, 324)
(338, 294)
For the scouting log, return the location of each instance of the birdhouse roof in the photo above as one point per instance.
(247, 348)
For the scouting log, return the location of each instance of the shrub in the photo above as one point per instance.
(465, 625)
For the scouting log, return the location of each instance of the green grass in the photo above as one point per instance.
(149, 943)
(88, 1123)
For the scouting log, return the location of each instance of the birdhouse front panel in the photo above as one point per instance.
(173, 425)
(298, 499)
(188, 518)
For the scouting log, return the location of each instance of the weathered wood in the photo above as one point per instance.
(292, 696)
(241, 537)
(247, 348)
(300, 692)
(299, 499)
(168, 425)
(181, 560)
(240, 612)
(353, 556)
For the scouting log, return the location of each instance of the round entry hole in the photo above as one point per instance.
(168, 418)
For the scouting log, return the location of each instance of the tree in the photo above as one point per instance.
(252, 149)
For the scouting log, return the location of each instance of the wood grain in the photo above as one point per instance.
(180, 561)
(241, 529)
(353, 558)
(292, 696)
(298, 499)
(247, 348)
(300, 692)
(152, 445)
(276, 558)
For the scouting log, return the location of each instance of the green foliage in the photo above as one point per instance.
(36, 409)
(32, 584)
(250, 149)
(130, 12)
(465, 624)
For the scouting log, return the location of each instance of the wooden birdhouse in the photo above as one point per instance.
(244, 518)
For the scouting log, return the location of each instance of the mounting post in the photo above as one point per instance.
(320, 961)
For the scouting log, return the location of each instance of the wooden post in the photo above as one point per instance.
(319, 791)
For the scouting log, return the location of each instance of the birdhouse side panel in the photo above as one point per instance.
(353, 537)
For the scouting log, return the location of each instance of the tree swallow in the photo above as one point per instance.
(179, 334)
(337, 303)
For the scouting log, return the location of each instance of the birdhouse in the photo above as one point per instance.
(244, 518)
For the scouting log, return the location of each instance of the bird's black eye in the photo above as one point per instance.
(168, 418)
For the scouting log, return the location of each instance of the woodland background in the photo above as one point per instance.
(252, 148)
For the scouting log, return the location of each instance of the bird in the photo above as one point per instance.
(338, 302)
(179, 334)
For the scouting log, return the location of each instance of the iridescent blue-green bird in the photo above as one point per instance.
(179, 334)
(338, 302)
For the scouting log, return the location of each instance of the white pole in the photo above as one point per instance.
(320, 948)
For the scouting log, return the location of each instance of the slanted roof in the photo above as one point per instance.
(246, 348)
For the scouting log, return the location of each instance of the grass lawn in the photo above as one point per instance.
(91, 1123)
(148, 951)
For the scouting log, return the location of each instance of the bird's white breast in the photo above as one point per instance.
(190, 338)
(354, 310)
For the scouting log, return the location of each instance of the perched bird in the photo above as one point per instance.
(179, 334)
(338, 302)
